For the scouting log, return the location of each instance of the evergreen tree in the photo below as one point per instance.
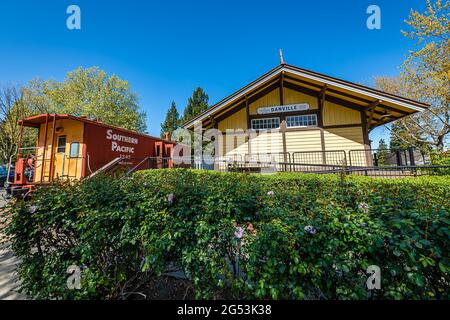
(399, 137)
(197, 103)
(382, 152)
(172, 120)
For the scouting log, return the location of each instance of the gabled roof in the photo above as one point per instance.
(346, 89)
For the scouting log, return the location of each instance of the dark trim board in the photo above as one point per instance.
(240, 91)
(350, 125)
(283, 121)
(314, 81)
(342, 126)
(321, 95)
(306, 83)
(251, 98)
(246, 102)
(303, 129)
(332, 99)
(283, 115)
(350, 96)
(273, 86)
(232, 111)
(320, 102)
(368, 102)
(355, 86)
(349, 105)
(365, 130)
(301, 89)
(247, 109)
(278, 130)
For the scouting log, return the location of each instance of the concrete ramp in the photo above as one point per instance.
(9, 283)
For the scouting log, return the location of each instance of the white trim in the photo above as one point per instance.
(287, 108)
(231, 100)
(302, 115)
(271, 118)
(70, 149)
(343, 86)
(305, 75)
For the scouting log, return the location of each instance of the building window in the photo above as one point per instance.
(74, 150)
(301, 121)
(61, 144)
(266, 123)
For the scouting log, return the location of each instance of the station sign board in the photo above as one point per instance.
(286, 108)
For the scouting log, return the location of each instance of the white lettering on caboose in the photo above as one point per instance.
(120, 138)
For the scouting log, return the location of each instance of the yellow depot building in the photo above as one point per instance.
(299, 116)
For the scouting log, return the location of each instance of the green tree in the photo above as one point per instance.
(12, 109)
(88, 92)
(172, 120)
(197, 103)
(425, 76)
(382, 152)
(400, 138)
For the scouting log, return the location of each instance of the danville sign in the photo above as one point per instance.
(286, 108)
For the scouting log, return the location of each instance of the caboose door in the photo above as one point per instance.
(60, 157)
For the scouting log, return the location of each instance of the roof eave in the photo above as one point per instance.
(370, 92)
(342, 84)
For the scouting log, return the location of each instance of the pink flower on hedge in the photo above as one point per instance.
(32, 209)
(364, 207)
(310, 229)
(171, 198)
(239, 233)
(271, 193)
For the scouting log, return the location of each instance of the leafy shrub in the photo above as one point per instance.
(286, 236)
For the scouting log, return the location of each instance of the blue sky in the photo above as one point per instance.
(167, 48)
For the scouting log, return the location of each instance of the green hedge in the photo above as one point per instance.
(238, 236)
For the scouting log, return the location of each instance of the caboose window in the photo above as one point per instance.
(74, 149)
(61, 144)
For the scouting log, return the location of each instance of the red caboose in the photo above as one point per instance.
(75, 148)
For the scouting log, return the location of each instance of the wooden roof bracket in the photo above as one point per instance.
(322, 94)
(372, 108)
(213, 121)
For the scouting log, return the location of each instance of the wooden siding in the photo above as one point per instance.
(292, 97)
(265, 142)
(237, 120)
(271, 99)
(73, 130)
(335, 115)
(343, 130)
(345, 139)
(260, 143)
(305, 140)
(233, 145)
